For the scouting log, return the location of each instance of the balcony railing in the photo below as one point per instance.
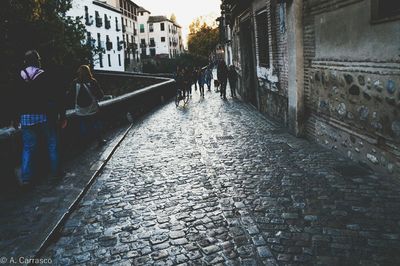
(109, 45)
(117, 28)
(120, 45)
(107, 23)
(88, 20)
(99, 22)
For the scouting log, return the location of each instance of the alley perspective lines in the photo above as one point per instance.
(216, 183)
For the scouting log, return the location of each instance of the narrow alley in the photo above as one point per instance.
(220, 184)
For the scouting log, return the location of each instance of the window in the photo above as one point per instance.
(162, 26)
(262, 39)
(99, 40)
(141, 28)
(151, 29)
(385, 10)
(101, 60)
(162, 39)
(109, 60)
(116, 24)
(152, 43)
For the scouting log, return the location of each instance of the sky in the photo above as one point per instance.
(185, 10)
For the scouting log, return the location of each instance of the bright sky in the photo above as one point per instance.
(185, 10)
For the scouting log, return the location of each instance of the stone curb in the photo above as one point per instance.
(107, 154)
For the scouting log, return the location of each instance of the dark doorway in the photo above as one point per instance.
(247, 55)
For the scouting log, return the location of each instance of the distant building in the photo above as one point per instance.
(129, 12)
(327, 71)
(104, 30)
(158, 36)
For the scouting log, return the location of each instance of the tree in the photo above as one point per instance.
(44, 26)
(173, 18)
(203, 38)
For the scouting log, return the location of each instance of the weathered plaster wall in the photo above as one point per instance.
(272, 82)
(352, 81)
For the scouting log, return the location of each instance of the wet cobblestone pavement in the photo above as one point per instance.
(216, 183)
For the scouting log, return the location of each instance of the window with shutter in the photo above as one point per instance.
(385, 10)
(262, 39)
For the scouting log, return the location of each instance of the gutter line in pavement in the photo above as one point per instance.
(61, 222)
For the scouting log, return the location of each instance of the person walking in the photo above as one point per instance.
(86, 93)
(222, 75)
(200, 80)
(188, 77)
(232, 77)
(208, 77)
(40, 105)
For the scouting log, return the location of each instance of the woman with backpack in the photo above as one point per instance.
(86, 93)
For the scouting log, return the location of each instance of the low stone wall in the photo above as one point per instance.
(114, 112)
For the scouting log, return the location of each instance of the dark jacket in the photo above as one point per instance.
(222, 73)
(39, 94)
(232, 75)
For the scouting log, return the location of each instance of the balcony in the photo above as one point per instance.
(132, 46)
(143, 45)
(120, 45)
(88, 20)
(109, 45)
(117, 28)
(99, 22)
(152, 44)
(107, 23)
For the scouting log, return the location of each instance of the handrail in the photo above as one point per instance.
(6, 133)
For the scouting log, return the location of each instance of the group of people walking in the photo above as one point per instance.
(40, 110)
(186, 77)
(40, 106)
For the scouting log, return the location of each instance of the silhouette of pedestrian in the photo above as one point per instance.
(40, 106)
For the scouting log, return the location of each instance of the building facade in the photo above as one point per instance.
(255, 42)
(129, 12)
(104, 31)
(328, 70)
(159, 36)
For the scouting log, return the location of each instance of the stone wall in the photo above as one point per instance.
(352, 81)
(273, 81)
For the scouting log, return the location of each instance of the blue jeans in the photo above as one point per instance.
(30, 138)
(90, 127)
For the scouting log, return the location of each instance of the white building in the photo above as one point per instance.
(158, 36)
(129, 11)
(104, 30)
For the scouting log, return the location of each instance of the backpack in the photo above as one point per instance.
(84, 97)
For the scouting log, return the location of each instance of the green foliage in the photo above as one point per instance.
(40, 25)
(203, 38)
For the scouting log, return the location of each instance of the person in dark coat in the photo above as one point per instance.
(232, 77)
(40, 109)
(222, 75)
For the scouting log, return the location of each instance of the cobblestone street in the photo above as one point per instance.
(217, 183)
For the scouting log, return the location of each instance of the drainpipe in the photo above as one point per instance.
(296, 66)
